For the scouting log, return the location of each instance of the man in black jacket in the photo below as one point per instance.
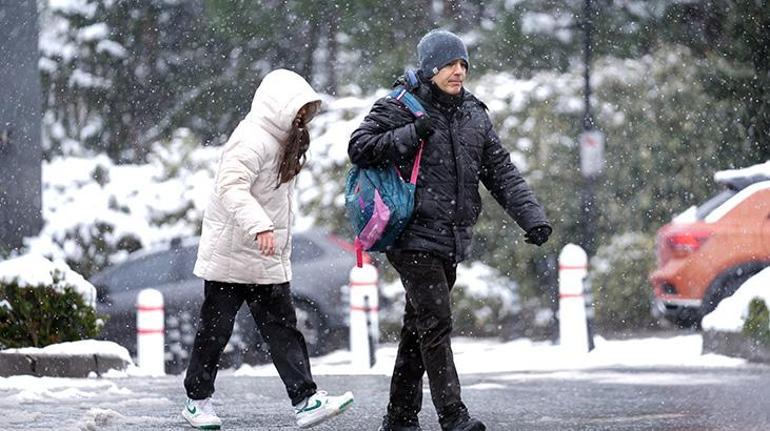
(461, 149)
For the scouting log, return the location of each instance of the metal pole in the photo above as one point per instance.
(588, 121)
(370, 337)
(587, 207)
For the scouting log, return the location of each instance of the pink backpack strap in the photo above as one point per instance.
(416, 167)
(359, 252)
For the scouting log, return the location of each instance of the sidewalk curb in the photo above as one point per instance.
(39, 365)
(735, 344)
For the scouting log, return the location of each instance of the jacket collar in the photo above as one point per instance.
(438, 98)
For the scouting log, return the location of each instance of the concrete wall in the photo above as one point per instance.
(20, 124)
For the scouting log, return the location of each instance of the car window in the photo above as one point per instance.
(147, 271)
(710, 205)
(186, 262)
(304, 249)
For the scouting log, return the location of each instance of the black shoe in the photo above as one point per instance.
(389, 425)
(464, 423)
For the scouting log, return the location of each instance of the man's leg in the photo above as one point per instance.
(406, 381)
(273, 311)
(220, 305)
(427, 283)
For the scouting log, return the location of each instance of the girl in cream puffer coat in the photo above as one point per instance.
(245, 250)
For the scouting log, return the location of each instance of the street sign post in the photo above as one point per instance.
(591, 153)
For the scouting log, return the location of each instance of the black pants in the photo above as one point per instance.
(425, 339)
(273, 311)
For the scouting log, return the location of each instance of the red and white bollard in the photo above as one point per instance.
(150, 332)
(573, 328)
(364, 316)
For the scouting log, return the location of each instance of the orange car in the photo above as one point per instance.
(707, 252)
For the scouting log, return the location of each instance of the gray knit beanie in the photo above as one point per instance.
(439, 48)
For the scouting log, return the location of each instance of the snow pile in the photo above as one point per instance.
(32, 270)
(37, 389)
(731, 313)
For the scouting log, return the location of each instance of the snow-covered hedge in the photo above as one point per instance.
(96, 211)
(618, 277)
(44, 303)
(484, 303)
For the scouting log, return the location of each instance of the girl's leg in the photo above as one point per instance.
(273, 311)
(220, 305)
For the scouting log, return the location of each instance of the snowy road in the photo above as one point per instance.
(623, 398)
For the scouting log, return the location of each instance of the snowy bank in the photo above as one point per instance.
(76, 348)
(77, 359)
(731, 313)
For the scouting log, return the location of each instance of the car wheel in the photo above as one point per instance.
(725, 285)
(310, 323)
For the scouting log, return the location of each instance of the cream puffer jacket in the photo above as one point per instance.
(245, 199)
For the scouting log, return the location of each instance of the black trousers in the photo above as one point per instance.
(273, 311)
(425, 344)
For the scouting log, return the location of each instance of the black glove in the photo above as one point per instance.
(423, 127)
(538, 235)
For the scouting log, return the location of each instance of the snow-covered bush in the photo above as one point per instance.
(618, 276)
(484, 303)
(44, 303)
(96, 211)
(757, 325)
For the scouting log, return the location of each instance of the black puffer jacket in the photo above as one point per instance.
(463, 150)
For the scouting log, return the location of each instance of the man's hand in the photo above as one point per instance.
(538, 235)
(266, 242)
(423, 127)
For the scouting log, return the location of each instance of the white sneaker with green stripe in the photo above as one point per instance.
(201, 415)
(320, 407)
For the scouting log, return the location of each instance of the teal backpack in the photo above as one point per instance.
(378, 202)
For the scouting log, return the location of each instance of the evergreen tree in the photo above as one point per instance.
(735, 36)
(117, 74)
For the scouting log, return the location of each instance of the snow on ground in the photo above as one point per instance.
(492, 356)
(731, 313)
(32, 270)
(103, 402)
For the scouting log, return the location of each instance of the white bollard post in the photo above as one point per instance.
(573, 329)
(364, 316)
(150, 331)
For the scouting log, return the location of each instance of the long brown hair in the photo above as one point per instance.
(296, 145)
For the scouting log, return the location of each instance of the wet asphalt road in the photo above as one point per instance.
(660, 399)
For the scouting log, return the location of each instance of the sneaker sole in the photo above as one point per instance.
(200, 427)
(332, 413)
(344, 406)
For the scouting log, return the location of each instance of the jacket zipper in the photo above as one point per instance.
(288, 228)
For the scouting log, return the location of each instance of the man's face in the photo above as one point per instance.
(450, 78)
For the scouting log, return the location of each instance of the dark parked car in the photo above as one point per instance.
(321, 266)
